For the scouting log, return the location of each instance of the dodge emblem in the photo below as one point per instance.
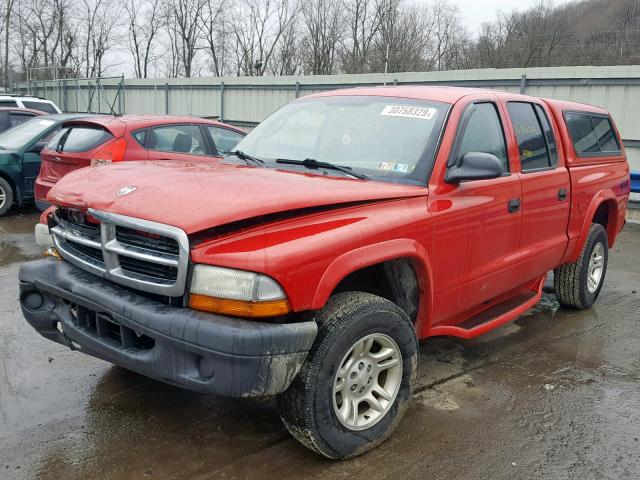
(125, 190)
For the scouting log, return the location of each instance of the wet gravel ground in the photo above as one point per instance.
(554, 395)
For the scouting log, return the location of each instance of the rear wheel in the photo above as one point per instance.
(357, 380)
(6, 196)
(578, 284)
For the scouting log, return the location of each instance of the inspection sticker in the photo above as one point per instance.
(45, 123)
(396, 167)
(408, 112)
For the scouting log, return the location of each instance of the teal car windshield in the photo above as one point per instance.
(20, 136)
(383, 138)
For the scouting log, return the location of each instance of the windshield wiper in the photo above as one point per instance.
(243, 156)
(315, 164)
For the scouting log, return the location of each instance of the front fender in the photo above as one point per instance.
(366, 256)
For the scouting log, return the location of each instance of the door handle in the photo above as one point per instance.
(562, 194)
(514, 205)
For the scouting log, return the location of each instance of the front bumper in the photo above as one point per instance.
(195, 350)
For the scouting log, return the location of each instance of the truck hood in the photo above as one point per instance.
(195, 197)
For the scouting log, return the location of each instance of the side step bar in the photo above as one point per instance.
(494, 317)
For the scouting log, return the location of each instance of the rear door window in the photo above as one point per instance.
(548, 133)
(178, 138)
(42, 106)
(75, 139)
(224, 139)
(8, 103)
(532, 143)
(592, 135)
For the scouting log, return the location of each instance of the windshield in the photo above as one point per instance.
(20, 136)
(385, 138)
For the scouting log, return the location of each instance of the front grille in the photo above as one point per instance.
(137, 238)
(91, 252)
(139, 267)
(140, 254)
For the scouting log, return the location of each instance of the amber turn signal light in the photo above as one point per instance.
(239, 308)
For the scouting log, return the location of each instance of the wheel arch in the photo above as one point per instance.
(17, 193)
(381, 255)
(603, 209)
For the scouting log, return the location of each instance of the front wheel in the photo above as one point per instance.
(355, 385)
(578, 284)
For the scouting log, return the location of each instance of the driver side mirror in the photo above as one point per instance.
(37, 148)
(475, 166)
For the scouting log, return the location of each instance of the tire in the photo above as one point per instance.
(309, 408)
(572, 281)
(6, 197)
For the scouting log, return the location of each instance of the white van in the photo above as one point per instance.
(36, 103)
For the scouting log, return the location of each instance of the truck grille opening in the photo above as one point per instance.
(152, 258)
(103, 326)
(90, 252)
(137, 238)
(145, 268)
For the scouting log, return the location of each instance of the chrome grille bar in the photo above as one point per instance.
(114, 252)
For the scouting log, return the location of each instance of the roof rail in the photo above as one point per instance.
(22, 95)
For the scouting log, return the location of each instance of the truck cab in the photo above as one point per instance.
(342, 230)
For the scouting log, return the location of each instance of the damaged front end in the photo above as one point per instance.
(199, 351)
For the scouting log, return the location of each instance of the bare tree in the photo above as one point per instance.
(323, 26)
(403, 39)
(216, 33)
(144, 20)
(186, 17)
(101, 21)
(8, 10)
(257, 27)
(447, 34)
(286, 59)
(363, 25)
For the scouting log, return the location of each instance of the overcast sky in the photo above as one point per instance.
(475, 12)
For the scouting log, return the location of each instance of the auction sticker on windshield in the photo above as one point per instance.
(409, 112)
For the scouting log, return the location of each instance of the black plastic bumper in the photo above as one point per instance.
(181, 346)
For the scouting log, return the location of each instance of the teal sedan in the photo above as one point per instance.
(20, 149)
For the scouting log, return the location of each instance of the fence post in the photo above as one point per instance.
(523, 84)
(120, 94)
(166, 98)
(89, 97)
(221, 102)
(98, 85)
(65, 102)
(297, 89)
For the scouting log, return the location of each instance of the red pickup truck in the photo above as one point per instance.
(343, 229)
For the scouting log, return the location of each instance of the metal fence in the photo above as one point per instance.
(245, 101)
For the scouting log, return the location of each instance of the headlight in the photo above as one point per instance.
(236, 292)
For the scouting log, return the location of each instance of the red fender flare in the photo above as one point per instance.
(359, 258)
